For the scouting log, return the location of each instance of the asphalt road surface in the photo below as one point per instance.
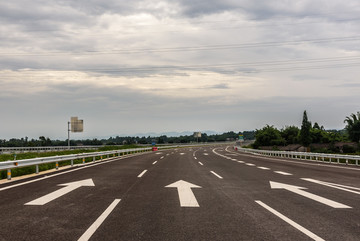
(202, 193)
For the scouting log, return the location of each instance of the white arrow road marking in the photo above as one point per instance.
(92, 229)
(289, 221)
(186, 196)
(68, 188)
(333, 185)
(297, 190)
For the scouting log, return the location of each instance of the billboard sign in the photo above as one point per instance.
(77, 125)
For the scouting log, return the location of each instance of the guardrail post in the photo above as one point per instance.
(93, 158)
(83, 160)
(57, 165)
(338, 160)
(357, 162)
(107, 155)
(37, 169)
(9, 174)
(347, 161)
(72, 162)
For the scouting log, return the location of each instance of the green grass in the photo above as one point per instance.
(32, 169)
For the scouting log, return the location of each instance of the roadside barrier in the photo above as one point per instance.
(320, 157)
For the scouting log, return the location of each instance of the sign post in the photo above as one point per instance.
(74, 125)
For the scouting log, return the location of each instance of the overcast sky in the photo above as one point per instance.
(128, 67)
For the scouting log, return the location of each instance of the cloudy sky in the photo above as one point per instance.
(128, 67)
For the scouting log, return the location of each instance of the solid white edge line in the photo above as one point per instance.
(201, 163)
(92, 229)
(141, 174)
(216, 174)
(292, 223)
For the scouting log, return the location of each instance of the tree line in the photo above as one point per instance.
(120, 140)
(308, 133)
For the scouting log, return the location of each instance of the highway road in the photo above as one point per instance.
(200, 193)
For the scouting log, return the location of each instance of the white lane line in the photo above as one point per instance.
(217, 175)
(141, 174)
(154, 162)
(92, 229)
(195, 158)
(201, 163)
(292, 223)
(240, 161)
(333, 185)
(264, 168)
(167, 154)
(234, 160)
(206, 154)
(182, 153)
(283, 173)
(250, 164)
(162, 157)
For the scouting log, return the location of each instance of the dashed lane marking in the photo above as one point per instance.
(154, 162)
(289, 221)
(217, 175)
(283, 173)
(201, 163)
(250, 164)
(143, 172)
(264, 168)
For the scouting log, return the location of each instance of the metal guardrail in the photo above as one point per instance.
(322, 157)
(8, 165)
(13, 150)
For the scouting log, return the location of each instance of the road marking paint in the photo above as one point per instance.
(167, 154)
(240, 161)
(141, 174)
(333, 185)
(201, 164)
(234, 160)
(64, 172)
(206, 154)
(158, 153)
(299, 191)
(182, 153)
(69, 187)
(154, 162)
(195, 158)
(216, 174)
(283, 173)
(92, 229)
(162, 157)
(292, 223)
(186, 195)
(250, 164)
(264, 168)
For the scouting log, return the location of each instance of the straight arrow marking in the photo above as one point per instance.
(58, 193)
(297, 190)
(186, 196)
